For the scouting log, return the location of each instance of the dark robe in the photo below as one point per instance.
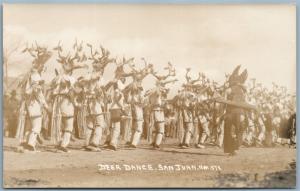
(233, 127)
(13, 105)
(269, 129)
(292, 128)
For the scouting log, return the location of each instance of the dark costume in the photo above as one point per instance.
(233, 130)
(292, 128)
(13, 114)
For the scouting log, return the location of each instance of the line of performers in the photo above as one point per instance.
(96, 105)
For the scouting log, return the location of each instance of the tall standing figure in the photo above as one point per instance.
(33, 100)
(93, 102)
(188, 109)
(157, 97)
(234, 114)
(62, 87)
(133, 94)
(118, 113)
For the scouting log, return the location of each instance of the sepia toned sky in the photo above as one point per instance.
(207, 38)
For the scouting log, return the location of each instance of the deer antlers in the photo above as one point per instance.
(140, 73)
(201, 77)
(171, 72)
(125, 61)
(100, 62)
(40, 54)
(68, 61)
(119, 72)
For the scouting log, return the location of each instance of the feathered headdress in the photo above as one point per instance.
(236, 78)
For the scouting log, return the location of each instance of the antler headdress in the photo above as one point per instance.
(100, 62)
(68, 61)
(171, 72)
(40, 54)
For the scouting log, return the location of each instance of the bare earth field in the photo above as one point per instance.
(169, 166)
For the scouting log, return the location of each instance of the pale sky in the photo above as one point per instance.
(207, 38)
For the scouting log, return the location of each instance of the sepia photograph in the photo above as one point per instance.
(149, 95)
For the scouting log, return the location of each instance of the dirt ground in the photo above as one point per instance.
(169, 166)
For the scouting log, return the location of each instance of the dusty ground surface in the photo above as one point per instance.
(252, 167)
